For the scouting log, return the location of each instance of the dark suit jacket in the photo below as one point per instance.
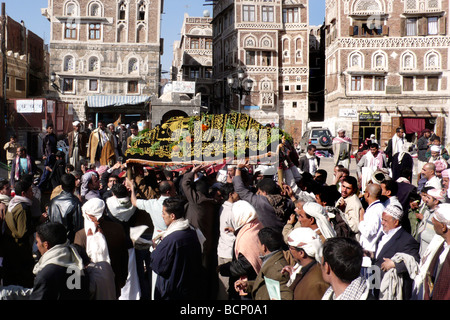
(401, 242)
(404, 190)
(304, 163)
(82, 143)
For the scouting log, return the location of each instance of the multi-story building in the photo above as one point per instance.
(105, 56)
(316, 74)
(269, 40)
(193, 55)
(387, 65)
(23, 76)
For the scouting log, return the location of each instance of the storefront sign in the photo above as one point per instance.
(348, 113)
(369, 116)
(29, 106)
(183, 86)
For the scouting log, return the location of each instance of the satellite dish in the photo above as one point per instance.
(206, 14)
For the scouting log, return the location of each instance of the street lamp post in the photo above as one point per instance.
(241, 86)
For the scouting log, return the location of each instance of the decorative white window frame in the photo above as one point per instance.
(361, 60)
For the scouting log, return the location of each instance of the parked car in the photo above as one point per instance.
(319, 137)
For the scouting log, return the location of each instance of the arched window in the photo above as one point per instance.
(69, 63)
(356, 60)
(71, 9)
(298, 50)
(95, 10)
(122, 10)
(379, 61)
(408, 61)
(432, 61)
(94, 64)
(286, 48)
(121, 34)
(140, 34)
(367, 6)
(133, 65)
(141, 11)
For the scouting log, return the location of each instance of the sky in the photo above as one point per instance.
(172, 19)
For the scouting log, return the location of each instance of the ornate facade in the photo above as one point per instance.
(105, 48)
(193, 56)
(387, 66)
(269, 40)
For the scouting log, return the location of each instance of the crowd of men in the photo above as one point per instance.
(233, 232)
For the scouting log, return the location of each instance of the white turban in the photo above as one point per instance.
(306, 239)
(243, 213)
(394, 211)
(340, 130)
(435, 148)
(435, 193)
(442, 213)
(76, 123)
(96, 246)
(317, 211)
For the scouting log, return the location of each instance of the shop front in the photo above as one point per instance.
(117, 109)
(28, 119)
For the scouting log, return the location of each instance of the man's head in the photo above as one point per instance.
(77, 176)
(23, 188)
(228, 193)
(101, 125)
(134, 130)
(49, 128)
(270, 240)
(49, 235)
(76, 126)
(94, 182)
(342, 258)
(445, 179)
(120, 191)
(303, 217)
(21, 152)
(267, 187)
(441, 221)
(399, 132)
(341, 133)
(374, 149)
(389, 188)
(434, 198)
(304, 245)
(311, 150)
(68, 182)
(391, 217)
(436, 141)
(5, 188)
(372, 193)
(429, 170)
(173, 209)
(327, 196)
(167, 188)
(349, 186)
(427, 133)
(321, 176)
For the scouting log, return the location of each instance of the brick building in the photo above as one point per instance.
(105, 55)
(23, 79)
(193, 55)
(387, 65)
(269, 40)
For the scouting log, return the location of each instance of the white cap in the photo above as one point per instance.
(266, 170)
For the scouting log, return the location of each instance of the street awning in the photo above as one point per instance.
(115, 101)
